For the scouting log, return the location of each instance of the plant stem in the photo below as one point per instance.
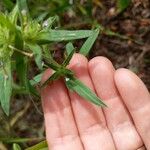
(20, 51)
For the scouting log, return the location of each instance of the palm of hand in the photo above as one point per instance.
(75, 124)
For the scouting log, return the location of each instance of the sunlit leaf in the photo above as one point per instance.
(85, 49)
(16, 147)
(13, 16)
(62, 35)
(40, 146)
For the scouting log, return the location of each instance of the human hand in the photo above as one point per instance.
(75, 124)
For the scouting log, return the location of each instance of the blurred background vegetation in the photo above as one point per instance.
(125, 40)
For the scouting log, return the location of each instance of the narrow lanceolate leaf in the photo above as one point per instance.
(85, 49)
(62, 35)
(22, 4)
(67, 60)
(36, 79)
(51, 63)
(40, 146)
(122, 5)
(37, 51)
(13, 16)
(5, 86)
(16, 147)
(23, 11)
(50, 21)
(76, 85)
(69, 48)
(53, 77)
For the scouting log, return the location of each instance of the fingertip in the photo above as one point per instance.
(131, 88)
(102, 73)
(125, 77)
(78, 65)
(100, 61)
(78, 60)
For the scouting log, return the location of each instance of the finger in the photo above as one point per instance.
(118, 120)
(89, 118)
(137, 99)
(61, 131)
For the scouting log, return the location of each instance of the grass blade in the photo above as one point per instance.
(69, 48)
(40, 146)
(77, 86)
(53, 77)
(62, 35)
(85, 49)
(67, 60)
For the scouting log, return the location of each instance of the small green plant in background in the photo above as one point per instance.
(122, 5)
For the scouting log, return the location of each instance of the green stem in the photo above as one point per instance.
(21, 52)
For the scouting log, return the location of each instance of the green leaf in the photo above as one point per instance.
(50, 21)
(6, 23)
(40, 146)
(62, 35)
(53, 77)
(22, 70)
(5, 86)
(8, 4)
(33, 90)
(77, 86)
(67, 60)
(13, 16)
(16, 147)
(23, 11)
(19, 43)
(41, 17)
(37, 51)
(69, 48)
(51, 63)
(85, 49)
(36, 79)
(122, 5)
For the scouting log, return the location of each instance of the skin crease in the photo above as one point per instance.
(75, 124)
